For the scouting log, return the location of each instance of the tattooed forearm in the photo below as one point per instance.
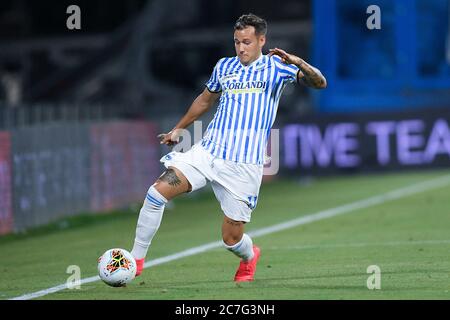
(171, 178)
(312, 77)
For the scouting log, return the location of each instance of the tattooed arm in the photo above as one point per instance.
(308, 75)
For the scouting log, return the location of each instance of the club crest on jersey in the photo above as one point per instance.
(245, 87)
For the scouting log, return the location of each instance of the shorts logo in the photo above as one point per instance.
(252, 200)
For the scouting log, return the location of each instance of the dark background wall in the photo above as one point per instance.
(80, 109)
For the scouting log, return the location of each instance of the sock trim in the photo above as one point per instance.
(155, 197)
(153, 200)
(235, 246)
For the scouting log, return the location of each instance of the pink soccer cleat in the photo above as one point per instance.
(139, 266)
(247, 269)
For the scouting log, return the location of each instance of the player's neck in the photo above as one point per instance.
(252, 61)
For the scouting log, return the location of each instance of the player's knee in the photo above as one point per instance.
(172, 183)
(172, 177)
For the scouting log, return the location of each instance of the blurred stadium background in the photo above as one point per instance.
(80, 109)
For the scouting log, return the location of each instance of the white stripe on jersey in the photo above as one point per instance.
(247, 107)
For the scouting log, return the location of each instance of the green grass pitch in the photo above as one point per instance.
(408, 238)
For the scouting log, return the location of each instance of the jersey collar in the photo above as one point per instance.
(255, 63)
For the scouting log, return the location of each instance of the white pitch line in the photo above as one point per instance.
(329, 213)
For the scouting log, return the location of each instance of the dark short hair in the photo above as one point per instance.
(251, 20)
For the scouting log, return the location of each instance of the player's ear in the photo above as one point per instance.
(262, 40)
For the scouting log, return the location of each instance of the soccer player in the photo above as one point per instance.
(231, 154)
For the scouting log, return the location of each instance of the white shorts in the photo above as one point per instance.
(236, 185)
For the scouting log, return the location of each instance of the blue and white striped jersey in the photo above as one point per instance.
(247, 107)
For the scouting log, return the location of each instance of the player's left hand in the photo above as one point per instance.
(286, 58)
(171, 138)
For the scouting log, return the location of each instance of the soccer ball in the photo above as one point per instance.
(117, 267)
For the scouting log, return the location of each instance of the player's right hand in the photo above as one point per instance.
(171, 138)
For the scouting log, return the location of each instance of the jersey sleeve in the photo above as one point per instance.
(288, 72)
(213, 84)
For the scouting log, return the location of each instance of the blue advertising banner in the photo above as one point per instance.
(335, 143)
